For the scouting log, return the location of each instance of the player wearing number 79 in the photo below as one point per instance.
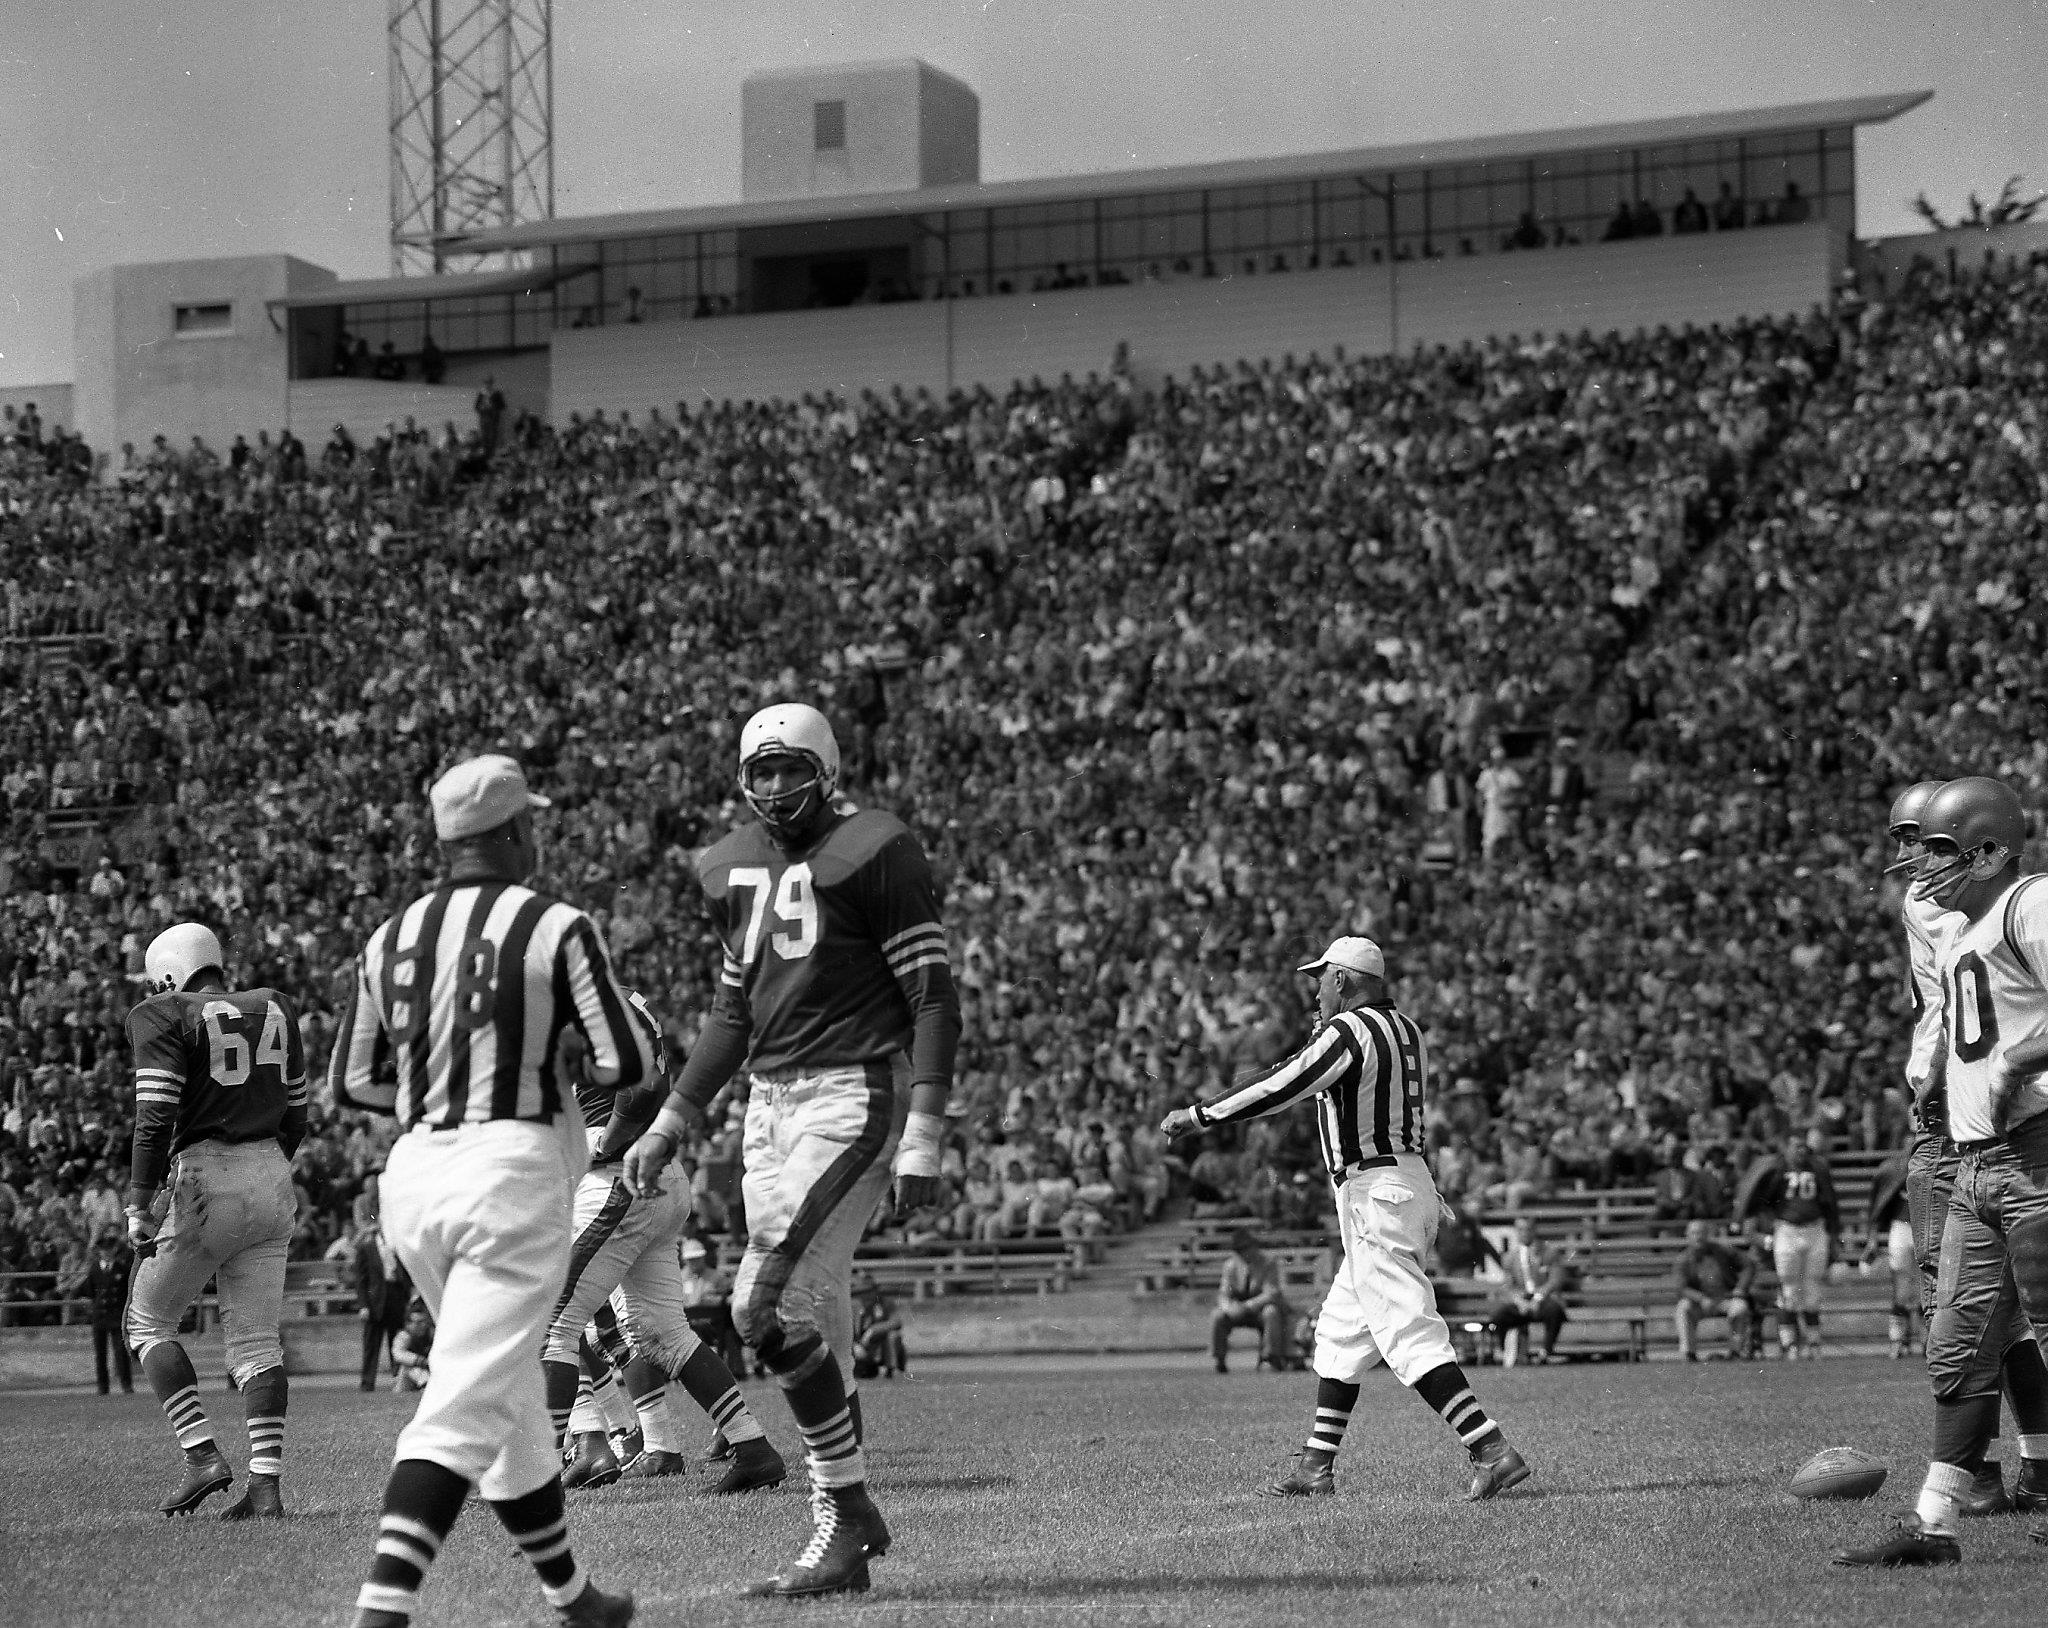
(836, 994)
(220, 1103)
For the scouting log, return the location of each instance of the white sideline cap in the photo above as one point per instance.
(1353, 955)
(480, 795)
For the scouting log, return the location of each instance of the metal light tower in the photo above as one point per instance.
(472, 123)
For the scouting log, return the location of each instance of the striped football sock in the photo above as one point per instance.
(170, 1375)
(649, 1388)
(421, 1501)
(711, 1386)
(541, 1527)
(263, 1402)
(614, 1406)
(567, 1390)
(811, 1382)
(1334, 1402)
(1445, 1390)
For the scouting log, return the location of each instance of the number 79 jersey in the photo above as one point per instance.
(1994, 996)
(212, 1064)
(830, 951)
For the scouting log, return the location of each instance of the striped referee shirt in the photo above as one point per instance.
(460, 1002)
(1368, 1070)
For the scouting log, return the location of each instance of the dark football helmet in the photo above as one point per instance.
(1970, 830)
(1904, 825)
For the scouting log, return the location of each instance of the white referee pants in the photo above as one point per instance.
(480, 1218)
(628, 1245)
(1381, 1307)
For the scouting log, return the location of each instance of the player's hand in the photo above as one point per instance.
(1179, 1124)
(141, 1233)
(575, 1056)
(915, 1193)
(646, 1160)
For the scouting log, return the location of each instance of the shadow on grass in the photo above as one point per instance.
(1616, 1489)
(945, 1483)
(1023, 1590)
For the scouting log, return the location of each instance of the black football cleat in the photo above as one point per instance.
(593, 1466)
(652, 1465)
(259, 1502)
(1908, 1544)
(2030, 1490)
(1309, 1478)
(1495, 1468)
(628, 1445)
(848, 1532)
(203, 1478)
(754, 1464)
(594, 1608)
(719, 1451)
(1987, 1494)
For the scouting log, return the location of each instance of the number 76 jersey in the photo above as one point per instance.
(831, 950)
(1994, 997)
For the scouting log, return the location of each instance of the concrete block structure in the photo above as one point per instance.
(856, 128)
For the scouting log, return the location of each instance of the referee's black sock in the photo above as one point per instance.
(1445, 1390)
(540, 1525)
(1334, 1401)
(421, 1501)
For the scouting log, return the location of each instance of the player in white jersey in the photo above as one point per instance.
(1992, 1068)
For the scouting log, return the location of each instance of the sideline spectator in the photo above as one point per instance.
(1538, 1277)
(1713, 1280)
(1250, 1296)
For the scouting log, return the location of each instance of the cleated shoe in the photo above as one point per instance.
(1987, 1495)
(849, 1531)
(594, 1608)
(2030, 1491)
(719, 1451)
(1310, 1478)
(1908, 1545)
(259, 1502)
(203, 1478)
(594, 1465)
(652, 1465)
(1495, 1468)
(754, 1464)
(628, 1445)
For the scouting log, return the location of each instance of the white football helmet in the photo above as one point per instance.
(179, 954)
(789, 729)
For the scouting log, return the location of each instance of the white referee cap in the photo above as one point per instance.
(480, 795)
(1353, 955)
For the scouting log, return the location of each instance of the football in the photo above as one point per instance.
(1839, 1472)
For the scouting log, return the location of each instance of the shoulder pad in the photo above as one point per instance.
(2013, 899)
(746, 842)
(851, 844)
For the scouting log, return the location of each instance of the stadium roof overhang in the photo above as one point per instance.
(411, 290)
(1687, 127)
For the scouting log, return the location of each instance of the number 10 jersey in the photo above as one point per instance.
(831, 952)
(1994, 996)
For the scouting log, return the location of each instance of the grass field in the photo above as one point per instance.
(1115, 1494)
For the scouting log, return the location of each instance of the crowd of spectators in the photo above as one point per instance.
(1577, 671)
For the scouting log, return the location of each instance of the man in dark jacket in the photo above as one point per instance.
(106, 1286)
(1712, 1281)
(382, 1292)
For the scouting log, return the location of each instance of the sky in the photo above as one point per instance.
(137, 130)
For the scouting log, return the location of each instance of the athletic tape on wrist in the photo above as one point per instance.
(918, 1153)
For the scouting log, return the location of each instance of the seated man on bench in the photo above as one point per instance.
(1538, 1277)
(1250, 1297)
(1713, 1281)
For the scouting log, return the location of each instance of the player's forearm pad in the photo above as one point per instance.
(918, 1153)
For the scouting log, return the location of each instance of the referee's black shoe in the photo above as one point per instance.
(204, 1476)
(1312, 1477)
(1495, 1467)
(594, 1608)
(1908, 1544)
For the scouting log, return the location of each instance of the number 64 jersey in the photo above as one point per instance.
(832, 952)
(214, 1066)
(1994, 997)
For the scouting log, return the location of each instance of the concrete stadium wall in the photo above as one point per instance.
(1170, 327)
(315, 406)
(1957, 252)
(53, 402)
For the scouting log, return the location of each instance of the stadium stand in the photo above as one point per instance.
(1575, 670)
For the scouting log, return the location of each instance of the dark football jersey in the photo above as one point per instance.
(832, 952)
(600, 1103)
(213, 1065)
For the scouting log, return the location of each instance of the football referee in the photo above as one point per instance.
(1368, 1070)
(475, 1012)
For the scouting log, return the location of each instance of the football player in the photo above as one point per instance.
(625, 1255)
(1931, 1160)
(836, 993)
(220, 1106)
(1991, 969)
